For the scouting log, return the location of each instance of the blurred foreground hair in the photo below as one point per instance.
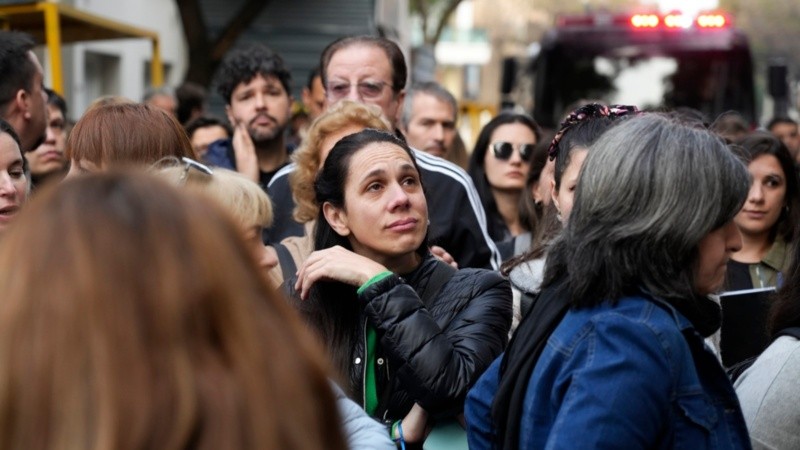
(135, 318)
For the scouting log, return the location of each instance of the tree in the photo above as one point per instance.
(773, 27)
(205, 53)
(437, 11)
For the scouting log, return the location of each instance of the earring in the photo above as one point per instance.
(558, 216)
(429, 222)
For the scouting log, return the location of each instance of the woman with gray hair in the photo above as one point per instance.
(612, 354)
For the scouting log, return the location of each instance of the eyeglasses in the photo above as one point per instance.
(503, 150)
(189, 164)
(369, 90)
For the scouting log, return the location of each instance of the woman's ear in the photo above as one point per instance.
(535, 193)
(554, 193)
(336, 218)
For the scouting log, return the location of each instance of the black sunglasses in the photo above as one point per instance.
(503, 150)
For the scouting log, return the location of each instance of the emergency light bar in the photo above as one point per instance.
(677, 21)
(645, 20)
(648, 21)
(712, 21)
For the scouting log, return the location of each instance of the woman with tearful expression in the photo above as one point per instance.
(407, 332)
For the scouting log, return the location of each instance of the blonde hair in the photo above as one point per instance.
(106, 100)
(307, 157)
(242, 198)
(126, 324)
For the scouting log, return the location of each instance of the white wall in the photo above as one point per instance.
(126, 75)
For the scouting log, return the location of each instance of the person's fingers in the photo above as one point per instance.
(443, 255)
(312, 276)
(301, 273)
(305, 278)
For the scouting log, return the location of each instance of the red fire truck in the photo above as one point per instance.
(650, 60)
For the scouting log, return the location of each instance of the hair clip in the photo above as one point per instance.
(585, 112)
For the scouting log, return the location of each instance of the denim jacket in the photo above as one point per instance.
(631, 375)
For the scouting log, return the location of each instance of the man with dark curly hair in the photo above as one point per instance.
(255, 84)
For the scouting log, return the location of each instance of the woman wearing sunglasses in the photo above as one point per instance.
(499, 167)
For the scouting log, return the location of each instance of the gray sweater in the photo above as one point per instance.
(770, 396)
(362, 431)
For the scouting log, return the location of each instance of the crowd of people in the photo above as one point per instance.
(354, 277)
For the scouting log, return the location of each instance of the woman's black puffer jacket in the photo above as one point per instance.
(431, 355)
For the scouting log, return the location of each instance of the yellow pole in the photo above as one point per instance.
(156, 68)
(52, 31)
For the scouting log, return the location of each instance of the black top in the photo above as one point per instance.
(433, 351)
(738, 278)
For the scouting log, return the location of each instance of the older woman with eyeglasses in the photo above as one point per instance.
(499, 167)
(242, 198)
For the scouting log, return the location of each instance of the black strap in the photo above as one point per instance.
(288, 267)
(789, 331)
(519, 361)
(439, 277)
(736, 370)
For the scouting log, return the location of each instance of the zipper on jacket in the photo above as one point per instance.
(364, 360)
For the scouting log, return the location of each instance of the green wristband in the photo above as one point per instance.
(374, 280)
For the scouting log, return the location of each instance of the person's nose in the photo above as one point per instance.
(733, 237)
(50, 136)
(399, 197)
(756, 194)
(438, 132)
(267, 258)
(516, 157)
(7, 187)
(260, 101)
(353, 95)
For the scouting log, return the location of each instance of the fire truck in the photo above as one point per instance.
(654, 61)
